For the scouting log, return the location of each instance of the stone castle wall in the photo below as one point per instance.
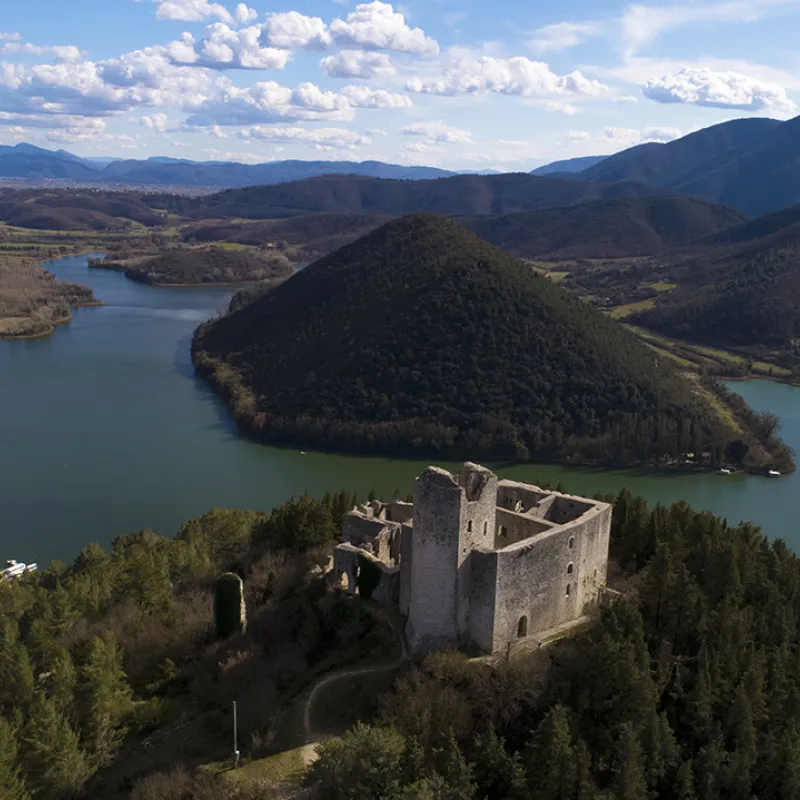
(479, 560)
(432, 615)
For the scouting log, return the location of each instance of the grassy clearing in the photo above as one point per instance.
(719, 407)
(270, 773)
(621, 312)
(711, 357)
(661, 286)
(233, 246)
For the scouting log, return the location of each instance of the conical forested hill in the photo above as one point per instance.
(421, 337)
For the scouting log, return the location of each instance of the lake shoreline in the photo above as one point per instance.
(181, 454)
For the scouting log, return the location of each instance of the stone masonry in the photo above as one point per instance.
(477, 560)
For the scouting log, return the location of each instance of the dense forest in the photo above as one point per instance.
(459, 194)
(184, 266)
(421, 338)
(686, 685)
(110, 667)
(619, 228)
(685, 688)
(749, 299)
(601, 229)
(32, 300)
(73, 210)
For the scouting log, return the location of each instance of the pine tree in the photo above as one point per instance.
(54, 760)
(585, 788)
(684, 783)
(455, 769)
(629, 772)
(493, 765)
(107, 698)
(550, 759)
(62, 680)
(12, 787)
(16, 670)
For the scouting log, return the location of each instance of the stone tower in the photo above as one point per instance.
(451, 519)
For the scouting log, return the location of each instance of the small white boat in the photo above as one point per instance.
(303, 453)
(774, 474)
(724, 472)
(16, 568)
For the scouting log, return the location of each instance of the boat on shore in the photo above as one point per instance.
(16, 568)
(774, 473)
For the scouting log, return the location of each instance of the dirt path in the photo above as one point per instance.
(309, 748)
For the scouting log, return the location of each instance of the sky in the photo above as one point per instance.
(458, 84)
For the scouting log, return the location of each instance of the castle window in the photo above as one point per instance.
(571, 542)
(522, 627)
(503, 531)
(469, 527)
(570, 568)
(485, 528)
(569, 589)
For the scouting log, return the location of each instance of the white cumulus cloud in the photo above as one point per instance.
(341, 138)
(292, 30)
(192, 11)
(244, 14)
(518, 76)
(369, 26)
(225, 48)
(364, 97)
(156, 122)
(378, 26)
(613, 139)
(357, 64)
(705, 87)
(437, 132)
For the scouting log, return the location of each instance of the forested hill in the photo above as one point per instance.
(182, 266)
(460, 194)
(750, 299)
(422, 338)
(606, 228)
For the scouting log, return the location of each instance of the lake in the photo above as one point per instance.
(105, 430)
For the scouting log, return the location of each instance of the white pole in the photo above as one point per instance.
(235, 738)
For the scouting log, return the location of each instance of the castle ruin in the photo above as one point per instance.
(477, 560)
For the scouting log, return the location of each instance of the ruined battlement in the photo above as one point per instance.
(477, 559)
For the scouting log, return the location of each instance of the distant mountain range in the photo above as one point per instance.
(568, 166)
(750, 164)
(455, 195)
(28, 162)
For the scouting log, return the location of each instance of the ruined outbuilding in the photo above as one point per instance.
(478, 560)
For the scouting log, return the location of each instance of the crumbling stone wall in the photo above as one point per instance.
(513, 527)
(444, 563)
(550, 578)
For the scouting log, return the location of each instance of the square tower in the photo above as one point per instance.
(452, 517)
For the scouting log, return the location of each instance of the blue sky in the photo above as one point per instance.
(508, 84)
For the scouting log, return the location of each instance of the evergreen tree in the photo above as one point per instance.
(684, 783)
(16, 671)
(107, 698)
(550, 759)
(12, 786)
(62, 680)
(630, 782)
(54, 761)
